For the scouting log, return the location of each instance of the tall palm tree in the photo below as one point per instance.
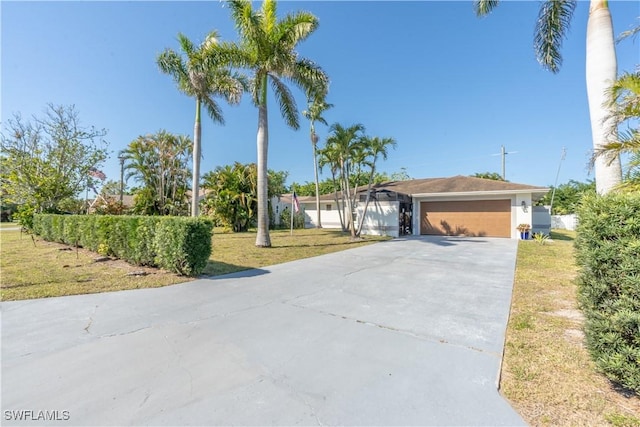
(267, 48)
(317, 106)
(552, 26)
(201, 74)
(376, 148)
(329, 156)
(344, 148)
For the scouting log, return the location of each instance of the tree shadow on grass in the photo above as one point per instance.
(560, 235)
(217, 268)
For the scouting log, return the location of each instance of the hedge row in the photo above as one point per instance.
(608, 252)
(178, 244)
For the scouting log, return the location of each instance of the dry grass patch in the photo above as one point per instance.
(237, 251)
(547, 372)
(50, 269)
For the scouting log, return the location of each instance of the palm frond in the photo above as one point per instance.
(247, 21)
(224, 83)
(629, 33)
(186, 45)
(269, 15)
(169, 62)
(310, 77)
(295, 28)
(213, 109)
(210, 41)
(484, 7)
(552, 26)
(286, 101)
(231, 54)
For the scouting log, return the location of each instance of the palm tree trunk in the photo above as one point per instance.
(335, 188)
(366, 203)
(345, 178)
(601, 71)
(315, 173)
(262, 238)
(197, 133)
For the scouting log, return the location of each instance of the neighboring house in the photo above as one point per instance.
(458, 205)
(127, 201)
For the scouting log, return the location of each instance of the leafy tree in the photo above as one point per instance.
(488, 175)
(552, 26)
(309, 188)
(267, 48)
(49, 159)
(317, 106)
(232, 199)
(112, 188)
(72, 205)
(401, 175)
(202, 75)
(159, 162)
(567, 196)
(276, 183)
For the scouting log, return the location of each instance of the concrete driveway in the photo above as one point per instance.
(405, 332)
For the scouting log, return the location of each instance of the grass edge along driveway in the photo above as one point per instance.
(547, 373)
(32, 268)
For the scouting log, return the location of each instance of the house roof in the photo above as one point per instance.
(428, 186)
(456, 184)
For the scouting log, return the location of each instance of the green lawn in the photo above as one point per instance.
(37, 269)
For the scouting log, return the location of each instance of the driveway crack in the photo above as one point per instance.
(400, 331)
(86, 328)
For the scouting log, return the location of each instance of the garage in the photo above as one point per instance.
(488, 218)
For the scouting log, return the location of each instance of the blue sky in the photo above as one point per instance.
(449, 87)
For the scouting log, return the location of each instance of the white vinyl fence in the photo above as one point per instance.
(564, 222)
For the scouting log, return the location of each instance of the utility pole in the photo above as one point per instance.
(555, 184)
(121, 158)
(503, 153)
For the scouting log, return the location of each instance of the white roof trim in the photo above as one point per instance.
(484, 193)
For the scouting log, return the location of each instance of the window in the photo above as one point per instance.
(328, 207)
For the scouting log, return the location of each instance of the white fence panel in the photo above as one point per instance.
(564, 222)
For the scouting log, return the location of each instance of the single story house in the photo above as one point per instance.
(458, 205)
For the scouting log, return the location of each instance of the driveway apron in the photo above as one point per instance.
(404, 332)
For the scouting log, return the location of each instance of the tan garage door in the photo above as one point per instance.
(490, 218)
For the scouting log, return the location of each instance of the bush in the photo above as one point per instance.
(183, 246)
(607, 248)
(24, 215)
(285, 219)
(178, 244)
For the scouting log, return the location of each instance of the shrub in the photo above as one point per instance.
(285, 219)
(24, 215)
(178, 244)
(183, 246)
(607, 248)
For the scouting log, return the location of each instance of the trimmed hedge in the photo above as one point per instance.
(608, 252)
(178, 244)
